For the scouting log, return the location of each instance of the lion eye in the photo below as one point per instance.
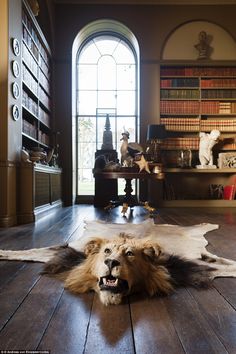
(129, 254)
(107, 251)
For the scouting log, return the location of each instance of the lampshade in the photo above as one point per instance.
(156, 131)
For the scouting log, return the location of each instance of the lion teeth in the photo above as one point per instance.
(110, 282)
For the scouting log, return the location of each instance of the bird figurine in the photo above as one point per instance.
(128, 150)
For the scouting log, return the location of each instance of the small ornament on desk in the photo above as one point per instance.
(185, 158)
(142, 163)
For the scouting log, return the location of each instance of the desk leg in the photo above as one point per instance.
(129, 198)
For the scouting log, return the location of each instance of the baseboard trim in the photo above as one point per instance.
(8, 221)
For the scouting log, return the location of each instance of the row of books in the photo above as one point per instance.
(198, 71)
(212, 94)
(31, 38)
(180, 94)
(29, 80)
(44, 117)
(190, 143)
(223, 125)
(196, 107)
(29, 129)
(217, 107)
(29, 60)
(29, 103)
(43, 137)
(181, 124)
(221, 83)
(180, 143)
(197, 125)
(186, 82)
(179, 107)
(44, 98)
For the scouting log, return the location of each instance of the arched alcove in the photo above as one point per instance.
(180, 45)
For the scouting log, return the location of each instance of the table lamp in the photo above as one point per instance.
(155, 134)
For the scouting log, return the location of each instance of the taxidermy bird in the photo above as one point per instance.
(128, 150)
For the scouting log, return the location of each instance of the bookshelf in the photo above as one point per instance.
(36, 85)
(196, 99)
(39, 182)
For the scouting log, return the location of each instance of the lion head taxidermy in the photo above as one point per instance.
(116, 260)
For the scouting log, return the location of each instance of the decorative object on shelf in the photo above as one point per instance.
(216, 191)
(142, 163)
(229, 192)
(38, 154)
(227, 160)
(49, 156)
(158, 170)
(185, 158)
(25, 157)
(207, 141)
(15, 112)
(128, 150)
(15, 68)
(107, 136)
(155, 134)
(15, 90)
(203, 46)
(16, 46)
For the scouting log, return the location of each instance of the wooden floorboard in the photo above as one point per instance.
(36, 313)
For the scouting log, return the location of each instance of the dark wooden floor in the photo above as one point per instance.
(36, 313)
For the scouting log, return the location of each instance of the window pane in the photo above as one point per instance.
(123, 54)
(89, 54)
(106, 46)
(126, 77)
(85, 182)
(86, 156)
(87, 78)
(106, 99)
(125, 102)
(87, 130)
(106, 73)
(87, 102)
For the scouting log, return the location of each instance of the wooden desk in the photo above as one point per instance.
(124, 173)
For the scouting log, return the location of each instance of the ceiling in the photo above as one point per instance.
(148, 2)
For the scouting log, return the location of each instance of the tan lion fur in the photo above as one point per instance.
(136, 266)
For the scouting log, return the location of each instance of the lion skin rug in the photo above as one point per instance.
(116, 260)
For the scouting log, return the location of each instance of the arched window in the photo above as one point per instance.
(106, 85)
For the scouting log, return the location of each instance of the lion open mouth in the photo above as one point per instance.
(113, 284)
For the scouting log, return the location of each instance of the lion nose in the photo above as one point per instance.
(111, 263)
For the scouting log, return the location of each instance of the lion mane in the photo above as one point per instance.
(122, 266)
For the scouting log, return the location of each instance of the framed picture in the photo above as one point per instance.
(16, 46)
(15, 68)
(15, 90)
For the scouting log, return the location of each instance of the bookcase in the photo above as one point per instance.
(39, 183)
(193, 99)
(36, 85)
